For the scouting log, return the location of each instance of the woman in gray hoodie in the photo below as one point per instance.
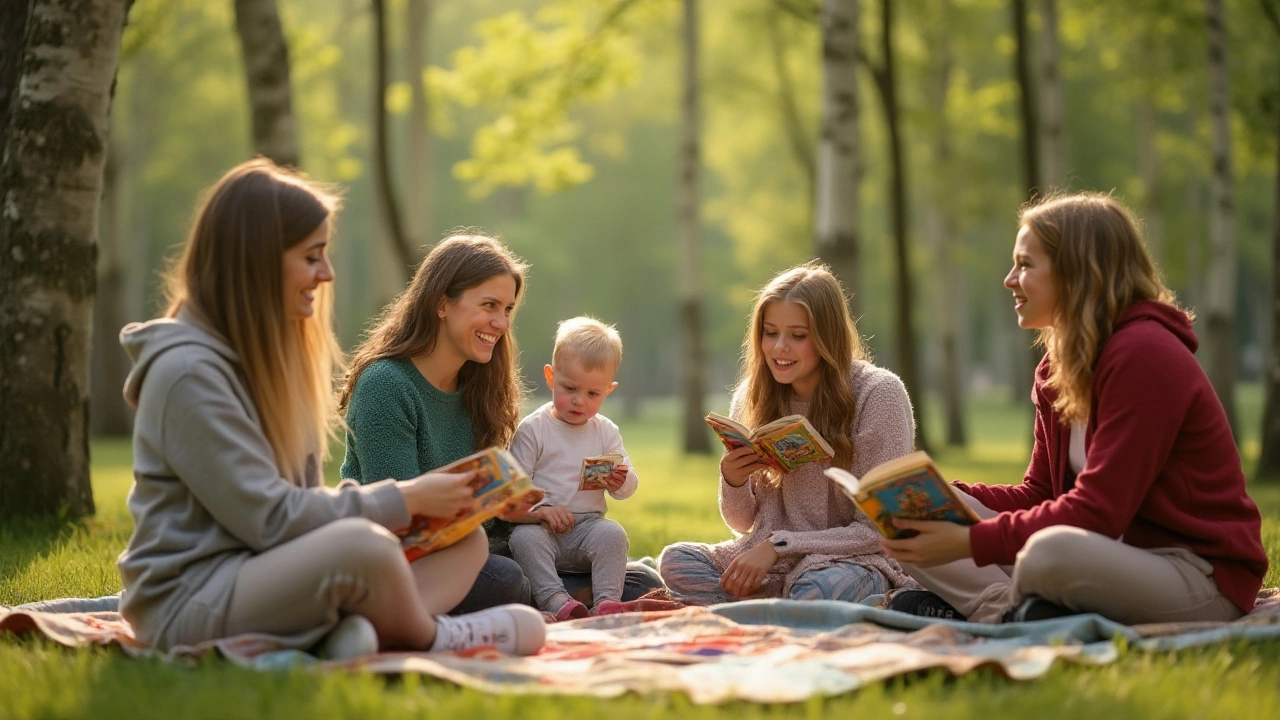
(234, 531)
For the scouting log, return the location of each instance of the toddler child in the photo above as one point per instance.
(571, 530)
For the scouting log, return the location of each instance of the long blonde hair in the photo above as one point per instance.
(1101, 266)
(230, 278)
(408, 328)
(832, 407)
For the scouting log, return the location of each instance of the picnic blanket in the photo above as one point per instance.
(761, 651)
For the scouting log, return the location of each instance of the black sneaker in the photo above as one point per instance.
(1034, 607)
(924, 604)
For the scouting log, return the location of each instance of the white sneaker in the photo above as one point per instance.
(352, 637)
(513, 629)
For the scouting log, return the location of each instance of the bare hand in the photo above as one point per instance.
(746, 573)
(615, 479)
(437, 494)
(555, 518)
(737, 466)
(938, 542)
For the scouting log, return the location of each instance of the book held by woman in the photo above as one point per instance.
(908, 487)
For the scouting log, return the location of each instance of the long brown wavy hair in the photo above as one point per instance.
(409, 326)
(230, 278)
(832, 408)
(1101, 265)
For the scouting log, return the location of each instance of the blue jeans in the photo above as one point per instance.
(689, 574)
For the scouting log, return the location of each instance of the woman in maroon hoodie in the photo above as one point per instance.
(1134, 503)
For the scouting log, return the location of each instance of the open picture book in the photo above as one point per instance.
(785, 444)
(500, 486)
(596, 468)
(909, 487)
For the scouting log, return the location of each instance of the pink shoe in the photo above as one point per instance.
(609, 607)
(572, 610)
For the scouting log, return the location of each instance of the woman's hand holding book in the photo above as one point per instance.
(438, 494)
(737, 466)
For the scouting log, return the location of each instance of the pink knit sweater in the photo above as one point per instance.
(817, 522)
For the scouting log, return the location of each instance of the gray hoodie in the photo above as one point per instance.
(207, 492)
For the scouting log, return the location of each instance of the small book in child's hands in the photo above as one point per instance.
(596, 469)
(785, 444)
(909, 487)
(500, 486)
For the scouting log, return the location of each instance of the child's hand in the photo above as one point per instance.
(615, 479)
(737, 466)
(555, 518)
(746, 573)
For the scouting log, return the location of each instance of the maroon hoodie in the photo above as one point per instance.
(1162, 468)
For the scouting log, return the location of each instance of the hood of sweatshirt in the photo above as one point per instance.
(146, 341)
(1171, 318)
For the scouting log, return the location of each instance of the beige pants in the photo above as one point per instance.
(1083, 571)
(300, 589)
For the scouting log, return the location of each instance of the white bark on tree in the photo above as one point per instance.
(696, 438)
(50, 183)
(266, 66)
(836, 207)
(1221, 287)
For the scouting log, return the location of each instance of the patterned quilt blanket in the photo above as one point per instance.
(761, 651)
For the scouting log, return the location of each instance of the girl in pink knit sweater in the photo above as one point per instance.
(797, 535)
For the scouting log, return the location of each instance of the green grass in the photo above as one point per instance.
(43, 559)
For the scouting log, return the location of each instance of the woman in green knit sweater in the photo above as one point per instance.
(437, 378)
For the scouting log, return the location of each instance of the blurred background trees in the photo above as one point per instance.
(655, 177)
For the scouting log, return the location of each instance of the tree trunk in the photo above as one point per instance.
(940, 225)
(110, 414)
(266, 69)
(839, 149)
(416, 56)
(1053, 140)
(1269, 460)
(13, 33)
(1221, 291)
(1149, 172)
(1027, 355)
(383, 186)
(696, 439)
(50, 181)
(907, 361)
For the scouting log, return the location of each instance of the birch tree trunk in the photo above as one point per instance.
(1052, 139)
(1269, 460)
(839, 148)
(266, 68)
(696, 439)
(418, 207)
(1221, 290)
(939, 228)
(50, 182)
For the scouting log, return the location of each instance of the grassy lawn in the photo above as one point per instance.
(41, 559)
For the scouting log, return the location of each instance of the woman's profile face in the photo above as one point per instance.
(471, 326)
(1035, 290)
(306, 266)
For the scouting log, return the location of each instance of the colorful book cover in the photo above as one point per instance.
(500, 486)
(595, 470)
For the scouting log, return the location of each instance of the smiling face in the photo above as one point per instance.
(305, 266)
(577, 393)
(786, 340)
(1035, 290)
(471, 326)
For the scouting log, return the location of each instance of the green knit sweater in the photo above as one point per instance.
(400, 425)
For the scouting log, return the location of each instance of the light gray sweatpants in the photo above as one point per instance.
(595, 544)
(1086, 572)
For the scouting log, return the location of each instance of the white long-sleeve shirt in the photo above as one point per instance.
(552, 451)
